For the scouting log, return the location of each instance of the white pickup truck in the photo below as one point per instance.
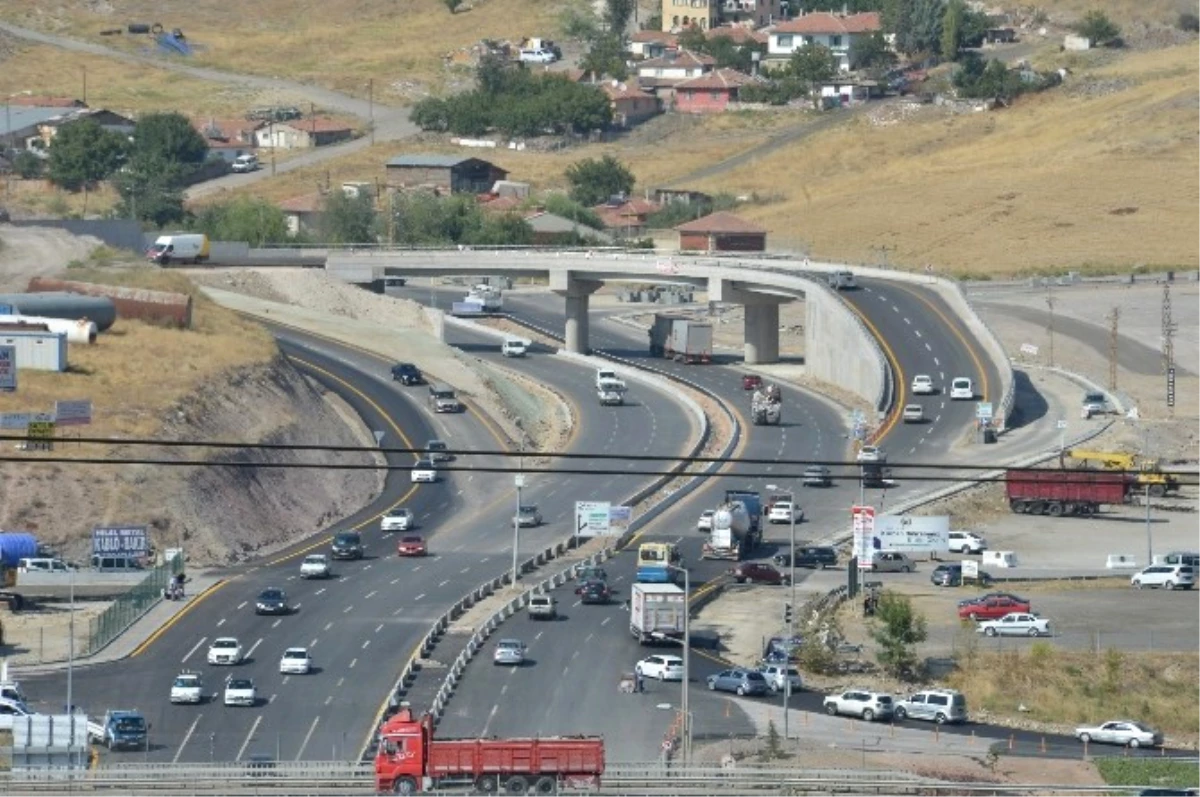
(607, 376)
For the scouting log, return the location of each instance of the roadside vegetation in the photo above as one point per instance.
(1156, 773)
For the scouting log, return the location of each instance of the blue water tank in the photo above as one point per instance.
(15, 546)
(100, 310)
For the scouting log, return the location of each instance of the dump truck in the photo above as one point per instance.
(1063, 492)
(411, 760)
(681, 339)
(656, 612)
(730, 537)
(766, 406)
(1146, 474)
(121, 729)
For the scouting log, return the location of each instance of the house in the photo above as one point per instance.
(712, 92)
(665, 196)
(34, 127)
(680, 14)
(999, 36)
(550, 229)
(445, 174)
(302, 213)
(660, 75)
(626, 217)
(630, 105)
(228, 138)
(843, 35)
(740, 34)
(303, 133)
(754, 12)
(651, 43)
(845, 91)
(721, 232)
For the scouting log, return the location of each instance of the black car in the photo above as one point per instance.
(814, 556)
(594, 592)
(271, 601)
(950, 575)
(407, 374)
(347, 545)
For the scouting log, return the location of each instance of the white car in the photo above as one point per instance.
(785, 512)
(1122, 732)
(1015, 624)
(1165, 576)
(871, 454)
(295, 661)
(779, 674)
(913, 413)
(240, 692)
(188, 688)
(315, 566)
(961, 389)
(225, 650)
(966, 542)
(862, 703)
(397, 520)
(514, 348)
(536, 57)
(664, 668)
(705, 522)
(922, 385)
(424, 471)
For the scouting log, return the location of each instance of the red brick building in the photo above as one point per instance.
(721, 232)
(710, 93)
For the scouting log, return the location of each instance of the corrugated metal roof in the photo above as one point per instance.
(443, 161)
(17, 117)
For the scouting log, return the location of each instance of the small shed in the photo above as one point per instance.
(37, 350)
(452, 174)
(721, 232)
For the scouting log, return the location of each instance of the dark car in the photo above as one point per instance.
(407, 374)
(271, 601)
(875, 475)
(347, 545)
(817, 476)
(591, 573)
(814, 556)
(751, 381)
(594, 592)
(950, 575)
(757, 573)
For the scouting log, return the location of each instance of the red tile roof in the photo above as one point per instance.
(720, 222)
(226, 129)
(719, 80)
(42, 101)
(824, 22)
(683, 59)
(320, 125)
(625, 91)
(740, 34)
(309, 203)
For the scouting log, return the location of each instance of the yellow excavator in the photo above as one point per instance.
(1144, 473)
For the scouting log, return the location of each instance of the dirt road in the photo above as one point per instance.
(37, 251)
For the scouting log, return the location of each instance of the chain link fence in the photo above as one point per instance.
(126, 609)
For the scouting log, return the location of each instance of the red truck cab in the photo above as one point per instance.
(410, 760)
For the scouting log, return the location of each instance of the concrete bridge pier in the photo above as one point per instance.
(761, 320)
(576, 292)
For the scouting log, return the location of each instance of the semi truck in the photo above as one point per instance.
(410, 760)
(121, 729)
(752, 501)
(1063, 492)
(681, 339)
(766, 406)
(656, 612)
(489, 300)
(730, 537)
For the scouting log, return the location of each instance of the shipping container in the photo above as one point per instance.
(134, 304)
(1061, 492)
(38, 351)
(100, 310)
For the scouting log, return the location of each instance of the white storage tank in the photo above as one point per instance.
(38, 351)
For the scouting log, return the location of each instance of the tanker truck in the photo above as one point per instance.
(766, 406)
(732, 533)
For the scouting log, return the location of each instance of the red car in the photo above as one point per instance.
(992, 607)
(411, 546)
(757, 573)
(751, 381)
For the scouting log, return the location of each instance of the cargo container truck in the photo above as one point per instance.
(1063, 492)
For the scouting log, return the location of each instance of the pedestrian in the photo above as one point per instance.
(641, 682)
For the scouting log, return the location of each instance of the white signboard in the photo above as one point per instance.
(619, 518)
(983, 410)
(8, 368)
(864, 533)
(1030, 349)
(905, 533)
(73, 413)
(20, 420)
(970, 568)
(592, 518)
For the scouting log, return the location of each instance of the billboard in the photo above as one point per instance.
(120, 540)
(73, 413)
(592, 518)
(913, 534)
(864, 533)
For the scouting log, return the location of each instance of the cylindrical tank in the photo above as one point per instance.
(132, 303)
(100, 310)
(15, 546)
(81, 331)
(732, 516)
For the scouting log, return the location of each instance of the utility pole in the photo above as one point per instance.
(371, 108)
(1114, 320)
(84, 97)
(1168, 348)
(1050, 325)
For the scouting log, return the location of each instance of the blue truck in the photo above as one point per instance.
(121, 729)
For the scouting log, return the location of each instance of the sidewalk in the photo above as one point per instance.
(124, 644)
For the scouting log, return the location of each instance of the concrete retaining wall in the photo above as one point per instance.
(839, 349)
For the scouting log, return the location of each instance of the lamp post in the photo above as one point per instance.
(687, 670)
(71, 673)
(518, 480)
(790, 615)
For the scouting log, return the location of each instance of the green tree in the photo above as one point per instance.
(169, 136)
(899, 628)
(431, 113)
(563, 205)
(952, 29)
(151, 190)
(617, 14)
(874, 55)
(28, 165)
(595, 180)
(1097, 27)
(348, 219)
(505, 229)
(812, 65)
(245, 218)
(924, 33)
(606, 57)
(83, 154)
(492, 74)
(974, 26)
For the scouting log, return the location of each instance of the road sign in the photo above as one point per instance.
(983, 410)
(378, 437)
(864, 533)
(592, 518)
(1061, 424)
(1171, 387)
(8, 368)
(1030, 349)
(41, 435)
(120, 540)
(73, 413)
(908, 533)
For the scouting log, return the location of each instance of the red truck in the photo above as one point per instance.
(1063, 492)
(411, 761)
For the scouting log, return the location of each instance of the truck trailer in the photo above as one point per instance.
(1063, 492)
(410, 761)
(656, 611)
(681, 339)
(730, 537)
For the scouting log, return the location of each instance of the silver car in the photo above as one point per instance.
(509, 651)
(528, 516)
(1123, 732)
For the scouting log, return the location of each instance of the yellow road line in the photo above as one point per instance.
(140, 649)
(898, 376)
(958, 334)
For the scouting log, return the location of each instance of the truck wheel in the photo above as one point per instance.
(1019, 507)
(545, 785)
(517, 784)
(1054, 510)
(486, 784)
(404, 786)
(1158, 490)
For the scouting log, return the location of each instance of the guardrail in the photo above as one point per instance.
(128, 608)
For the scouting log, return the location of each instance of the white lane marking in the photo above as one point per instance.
(503, 690)
(378, 628)
(576, 603)
(253, 648)
(484, 559)
(341, 680)
(271, 699)
(465, 570)
(918, 332)
(328, 626)
(588, 638)
(286, 678)
(397, 611)
(297, 606)
(195, 647)
(444, 583)
(575, 654)
(275, 624)
(908, 322)
(353, 662)
(605, 621)
(366, 644)
(928, 347)
(307, 736)
(491, 714)
(348, 609)
(242, 605)
(329, 700)
(537, 636)
(318, 592)
(370, 595)
(395, 581)
(941, 374)
(416, 568)
(249, 736)
(186, 736)
(895, 308)
(366, 567)
(313, 644)
(422, 595)
(220, 622)
(456, 548)
(937, 418)
(938, 363)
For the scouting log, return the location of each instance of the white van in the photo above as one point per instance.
(245, 163)
(514, 347)
(43, 565)
(179, 248)
(842, 281)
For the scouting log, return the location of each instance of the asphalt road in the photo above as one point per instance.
(374, 611)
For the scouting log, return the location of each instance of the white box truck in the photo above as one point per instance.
(656, 611)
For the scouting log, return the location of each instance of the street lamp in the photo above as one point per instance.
(518, 480)
(687, 670)
(792, 581)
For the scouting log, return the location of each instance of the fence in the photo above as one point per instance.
(127, 609)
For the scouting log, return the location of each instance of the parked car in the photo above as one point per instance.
(757, 573)
(664, 668)
(411, 545)
(751, 381)
(1123, 732)
(1015, 624)
(785, 512)
(347, 545)
(871, 454)
(315, 566)
(913, 413)
(992, 608)
(397, 520)
(814, 556)
(982, 598)
(243, 164)
(922, 385)
(967, 542)
(509, 651)
(295, 661)
(528, 516)
(892, 562)
(936, 705)
(817, 476)
(542, 607)
(407, 374)
(950, 574)
(536, 57)
(961, 389)
(706, 520)
(437, 451)
(738, 681)
(271, 601)
(1165, 576)
(594, 593)
(424, 471)
(240, 692)
(862, 703)
(779, 674)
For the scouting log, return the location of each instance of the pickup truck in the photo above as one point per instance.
(120, 729)
(607, 376)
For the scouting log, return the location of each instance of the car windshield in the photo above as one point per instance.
(130, 724)
(187, 681)
(225, 643)
(884, 699)
(271, 595)
(528, 510)
(755, 676)
(295, 653)
(314, 560)
(424, 464)
(509, 644)
(240, 684)
(411, 540)
(437, 445)
(346, 539)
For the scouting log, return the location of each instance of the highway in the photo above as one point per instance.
(362, 625)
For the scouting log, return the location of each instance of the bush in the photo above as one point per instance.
(28, 165)
(1189, 21)
(1098, 27)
